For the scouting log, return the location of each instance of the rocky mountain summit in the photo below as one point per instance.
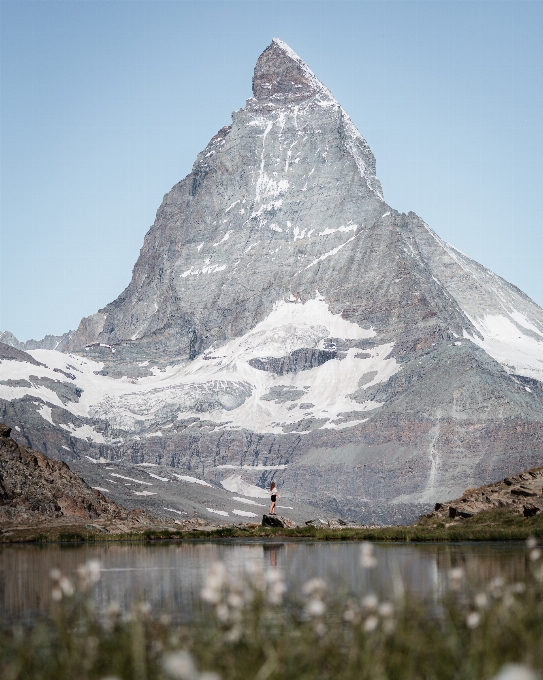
(284, 322)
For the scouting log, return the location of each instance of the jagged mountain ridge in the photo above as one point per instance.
(283, 305)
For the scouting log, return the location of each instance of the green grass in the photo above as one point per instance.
(501, 524)
(249, 632)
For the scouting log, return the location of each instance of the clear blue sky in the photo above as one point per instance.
(105, 104)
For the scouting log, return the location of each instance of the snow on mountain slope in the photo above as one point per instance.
(508, 325)
(221, 383)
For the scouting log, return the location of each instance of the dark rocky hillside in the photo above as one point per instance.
(35, 489)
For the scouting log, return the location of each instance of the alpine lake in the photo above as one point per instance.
(169, 577)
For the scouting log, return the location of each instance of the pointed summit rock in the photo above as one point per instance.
(281, 76)
(285, 322)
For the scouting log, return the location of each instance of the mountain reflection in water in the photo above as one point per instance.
(169, 576)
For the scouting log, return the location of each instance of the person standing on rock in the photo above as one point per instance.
(274, 497)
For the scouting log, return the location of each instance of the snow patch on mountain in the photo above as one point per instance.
(221, 383)
(504, 341)
(236, 484)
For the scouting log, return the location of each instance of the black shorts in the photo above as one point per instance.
(273, 498)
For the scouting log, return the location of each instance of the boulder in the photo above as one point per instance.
(520, 491)
(455, 511)
(277, 521)
(318, 522)
(530, 509)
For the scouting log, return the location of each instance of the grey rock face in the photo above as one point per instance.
(282, 314)
(299, 360)
(282, 393)
(11, 353)
(55, 342)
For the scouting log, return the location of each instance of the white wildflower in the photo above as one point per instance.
(320, 628)
(144, 608)
(235, 600)
(385, 610)
(223, 613)
(66, 586)
(456, 576)
(315, 608)
(518, 588)
(180, 665)
(215, 580)
(350, 616)
(113, 609)
(535, 554)
(276, 586)
(473, 619)
(531, 542)
(371, 623)
(481, 600)
(367, 556)
(90, 572)
(370, 602)
(256, 576)
(314, 586)
(495, 587)
(56, 594)
(516, 671)
(389, 626)
(508, 600)
(233, 635)
(55, 574)
(351, 613)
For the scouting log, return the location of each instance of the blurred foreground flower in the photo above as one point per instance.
(180, 666)
(214, 583)
(89, 573)
(63, 586)
(517, 671)
(456, 576)
(367, 556)
(276, 586)
(473, 619)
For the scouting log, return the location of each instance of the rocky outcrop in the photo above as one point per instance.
(277, 521)
(10, 353)
(299, 360)
(34, 489)
(55, 342)
(522, 493)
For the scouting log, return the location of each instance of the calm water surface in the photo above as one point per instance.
(170, 576)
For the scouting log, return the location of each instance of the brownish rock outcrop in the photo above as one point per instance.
(35, 488)
(523, 493)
